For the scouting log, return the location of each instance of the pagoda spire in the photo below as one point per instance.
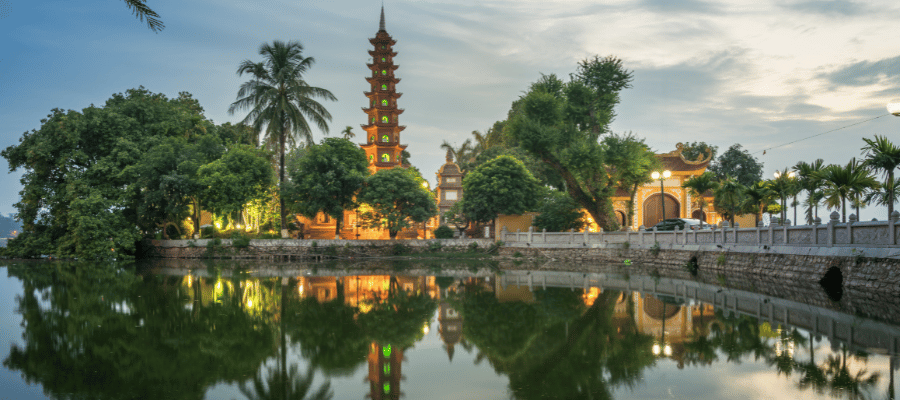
(381, 24)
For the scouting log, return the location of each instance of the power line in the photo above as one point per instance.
(819, 134)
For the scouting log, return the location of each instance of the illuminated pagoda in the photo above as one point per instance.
(383, 148)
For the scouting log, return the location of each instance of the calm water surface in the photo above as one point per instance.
(99, 332)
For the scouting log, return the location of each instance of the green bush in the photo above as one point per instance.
(239, 241)
(434, 247)
(443, 232)
(207, 231)
(473, 247)
(399, 249)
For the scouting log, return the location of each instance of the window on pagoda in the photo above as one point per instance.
(383, 59)
(450, 195)
(382, 46)
(385, 119)
(372, 139)
(373, 120)
(384, 102)
(385, 158)
(385, 138)
(384, 72)
(383, 87)
(371, 157)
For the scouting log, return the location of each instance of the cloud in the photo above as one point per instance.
(865, 73)
(831, 8)
(683, 6)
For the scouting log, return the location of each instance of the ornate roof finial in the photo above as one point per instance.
(381, 24)
(449, 156)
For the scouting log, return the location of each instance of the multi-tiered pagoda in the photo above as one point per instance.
(382, 145)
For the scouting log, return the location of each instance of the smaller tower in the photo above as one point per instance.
(449, 188)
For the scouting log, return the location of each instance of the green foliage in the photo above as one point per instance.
(243, 174)
(494, 248)
(883, 155)
(738, 164)
(443, 232)
(239, 240)
(500, 186)
(325, 178)
(558, 213)
(280, 100)
(847, 182)
(396, 199)
(697, 151)
(728, 197)
(473, 247)
(434, 247)
(560, 123)
(655, 249)
(457, 217)
(699, 185)
(720, 260)
(517, 254)
(129, 163)
(630, 163)
(399, 249)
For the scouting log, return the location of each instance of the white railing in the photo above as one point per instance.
(832, 234)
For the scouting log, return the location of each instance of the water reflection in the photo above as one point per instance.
(102, 332)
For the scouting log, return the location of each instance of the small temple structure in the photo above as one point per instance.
(449, 188)
(383, 148)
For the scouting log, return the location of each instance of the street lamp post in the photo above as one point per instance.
(662, 194)
(424, 226)
(789, 175)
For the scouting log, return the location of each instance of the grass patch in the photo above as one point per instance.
(655, 249)
(720, 261)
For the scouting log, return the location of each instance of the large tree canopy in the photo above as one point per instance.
(500, 186)
(561, 122)
(95, 181)
(326, 178)
(396, 199)
(738, 164)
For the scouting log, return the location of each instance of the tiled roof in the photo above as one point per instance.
(675, 161)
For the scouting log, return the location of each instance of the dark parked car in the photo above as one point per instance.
(681, 223)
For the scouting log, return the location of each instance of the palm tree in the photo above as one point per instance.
(812, 183)
(882, 155)
(784, 185)
(757, 197)
(141, 11)
(462, 154)
(280, 100)
(728, 197)
(883, 195)
(699, 185)
(842, 183)
(348, 133)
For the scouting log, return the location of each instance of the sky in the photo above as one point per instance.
(757, 73)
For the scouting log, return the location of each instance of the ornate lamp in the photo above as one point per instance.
(661, 176)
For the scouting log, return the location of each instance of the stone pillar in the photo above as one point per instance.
(771, 234)
(571, 235)
(892, 223)
(503, 234)
(544, 235)
(850, 221)
(735, 230)
(785, 227)
(641, 231)
(585, 233)
(530, 233)
(518, 231)
(654, 235)
(834, 218)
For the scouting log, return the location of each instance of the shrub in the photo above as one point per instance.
(434, 247)
(473, 247)
(443, 232)
(207, 231)
(720, 261)
(655, 249)
(239, 241)
(399, 249)
(517, 254)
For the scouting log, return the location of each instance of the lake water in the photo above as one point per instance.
(100, 332)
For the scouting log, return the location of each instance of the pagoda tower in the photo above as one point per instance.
(382, 145)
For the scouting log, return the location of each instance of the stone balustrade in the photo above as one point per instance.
(832, 234)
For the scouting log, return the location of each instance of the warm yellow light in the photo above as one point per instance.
(894, 108)
(667, 173)
(218, 225)
(655, 175)
(425, 328)
(300, 290)
(425, 184)
(667, 350)
(238, 226)
(249, 303)
(655, 349)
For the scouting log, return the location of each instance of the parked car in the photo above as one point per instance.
(681, 223)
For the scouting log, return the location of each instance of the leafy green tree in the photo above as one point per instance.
(739, 164)
(397, 200)
(883, 155)
(500, 186)
(243, 174)
(842, 183)
(348, 133)
(561, 125)
(630, 163)
(544, 174)
(811, 181)
(457, 217)
(558, 213)
(280, 100)
(85, 159)
(699, 151)
(326, 178)
(698, 186)
(727, 198)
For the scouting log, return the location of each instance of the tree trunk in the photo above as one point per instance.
(281, 139)
(196, 203)
(844, 209)
(890, 189)
(338, 222)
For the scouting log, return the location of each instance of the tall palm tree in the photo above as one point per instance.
(728, 197)
(811, 181)
(698, 185)
(884, 156)
(757, 197)
(842, 183)
(348, 133)
(784, 185)
(280, 100)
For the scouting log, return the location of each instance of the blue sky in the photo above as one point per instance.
(756, 73)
